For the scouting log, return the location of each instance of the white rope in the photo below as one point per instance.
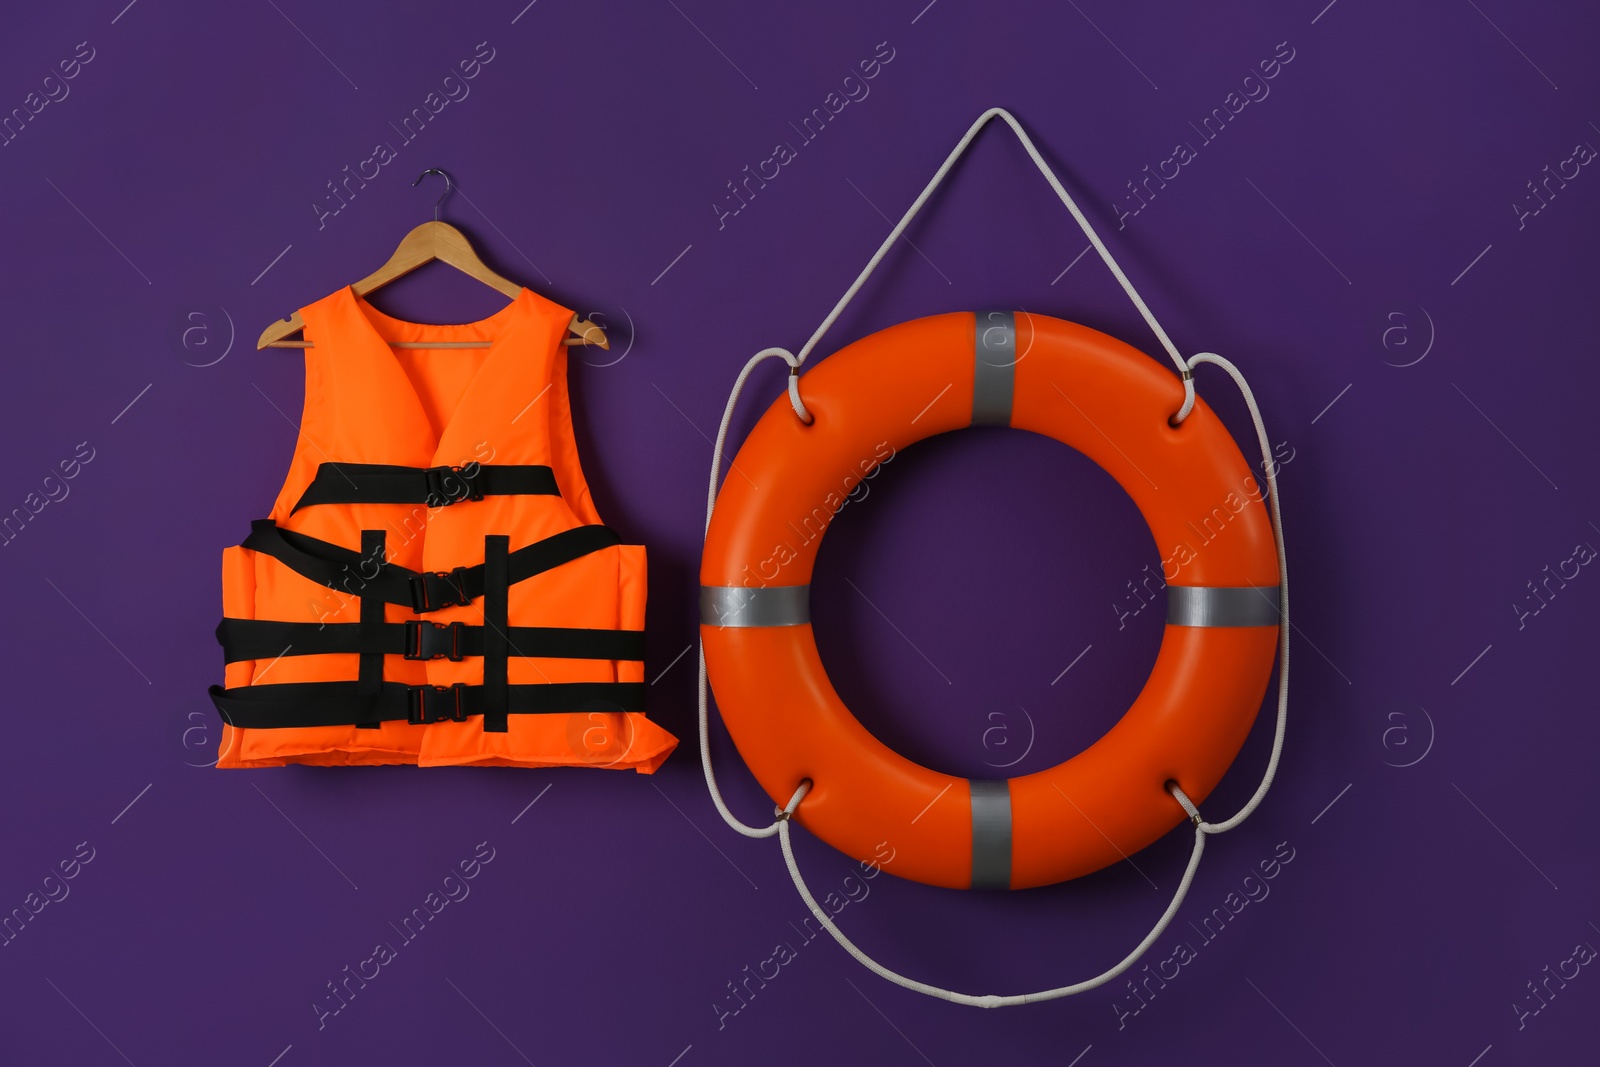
(1270, 468)
(1185, 803)
(780, 825)
(711, 503)
(916, 206)
(992, 1000)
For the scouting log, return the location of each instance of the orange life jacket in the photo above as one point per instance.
(433, 585)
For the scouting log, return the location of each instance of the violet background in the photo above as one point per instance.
(188, 155)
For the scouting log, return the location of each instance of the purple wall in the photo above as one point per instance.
(1362, 238)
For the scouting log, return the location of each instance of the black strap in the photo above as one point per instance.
(496, 594)
(437, 487)
(243, 639)
(339, 568)
(306, 704)
(370, 677)
(549, 554)
(329, 564)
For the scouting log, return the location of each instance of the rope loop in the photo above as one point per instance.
(989, 1000)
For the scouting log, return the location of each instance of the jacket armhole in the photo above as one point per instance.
(564, 443)
(238, 602)
(631, 594)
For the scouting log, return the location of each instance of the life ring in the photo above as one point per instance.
(1080, 387)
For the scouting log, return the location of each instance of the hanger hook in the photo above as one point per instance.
(449, 187)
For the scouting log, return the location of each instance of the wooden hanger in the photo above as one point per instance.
(440, 241)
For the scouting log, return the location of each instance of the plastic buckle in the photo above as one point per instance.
(454, 591)
(452, 484)
(428, 704)
(433, 640)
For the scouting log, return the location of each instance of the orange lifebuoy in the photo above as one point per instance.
(1080, 387)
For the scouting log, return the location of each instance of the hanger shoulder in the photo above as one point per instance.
(414, 249)
(451, 246)
(588, 333)
(273, 336)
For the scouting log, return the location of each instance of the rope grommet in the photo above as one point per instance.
(1186, 376)
(1184, 802)
(795, 402)
(785, 813)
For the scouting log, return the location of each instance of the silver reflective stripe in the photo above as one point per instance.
(1218, 605)
(994, 368)
(737, 605)
(991, 834)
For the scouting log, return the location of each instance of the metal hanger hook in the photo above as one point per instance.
(449, 187)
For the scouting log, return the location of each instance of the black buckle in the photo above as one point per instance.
(433, 640)
(452, 484)
(429, 704)
(448, 588)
